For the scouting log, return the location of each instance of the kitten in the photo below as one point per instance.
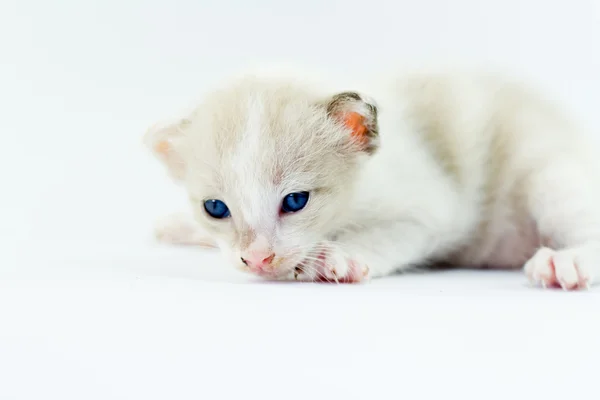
(308, 182)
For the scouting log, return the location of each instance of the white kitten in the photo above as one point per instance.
(295, 181)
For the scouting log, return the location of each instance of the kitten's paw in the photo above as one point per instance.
(179, 229)
(568, 269)
(347, 271)
(333, 266)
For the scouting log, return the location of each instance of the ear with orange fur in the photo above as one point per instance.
(359, 116)
(164, 142)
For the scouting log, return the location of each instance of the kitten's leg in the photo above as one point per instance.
(371, 253)
(564, 201)
(180, 229)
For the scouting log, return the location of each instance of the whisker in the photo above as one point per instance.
(316, 272)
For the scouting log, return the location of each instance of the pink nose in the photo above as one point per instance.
(258, 260)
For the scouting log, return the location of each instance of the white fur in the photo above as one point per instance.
(471, 170)
(180, 229)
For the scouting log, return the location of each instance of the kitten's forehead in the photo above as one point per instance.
(262, 139)
(252, 145)
(258, 130)
(261, 111)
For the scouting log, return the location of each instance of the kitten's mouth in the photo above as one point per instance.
(297, 272)
(307, 267)
(275, 271)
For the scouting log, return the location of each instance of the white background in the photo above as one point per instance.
(91, 308)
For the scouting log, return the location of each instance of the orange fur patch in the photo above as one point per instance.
(162, 147)
(355, 122)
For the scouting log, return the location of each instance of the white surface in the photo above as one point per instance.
(153, 323)
(91, 309)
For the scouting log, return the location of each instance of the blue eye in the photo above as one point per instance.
(216, 209)
(294, 202)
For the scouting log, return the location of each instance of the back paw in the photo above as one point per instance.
(569, 269)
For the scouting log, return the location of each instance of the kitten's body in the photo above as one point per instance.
(461, 169)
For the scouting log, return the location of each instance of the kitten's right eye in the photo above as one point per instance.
(216, 209)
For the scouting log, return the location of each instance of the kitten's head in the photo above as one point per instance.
(269, 167)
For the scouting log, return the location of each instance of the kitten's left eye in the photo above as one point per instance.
(294, 202)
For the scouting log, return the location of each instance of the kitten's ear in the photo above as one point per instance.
(359, 115)
(164, 141)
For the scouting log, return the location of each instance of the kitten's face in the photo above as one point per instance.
(269, 171)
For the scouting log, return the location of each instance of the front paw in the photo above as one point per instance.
(331, 265)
